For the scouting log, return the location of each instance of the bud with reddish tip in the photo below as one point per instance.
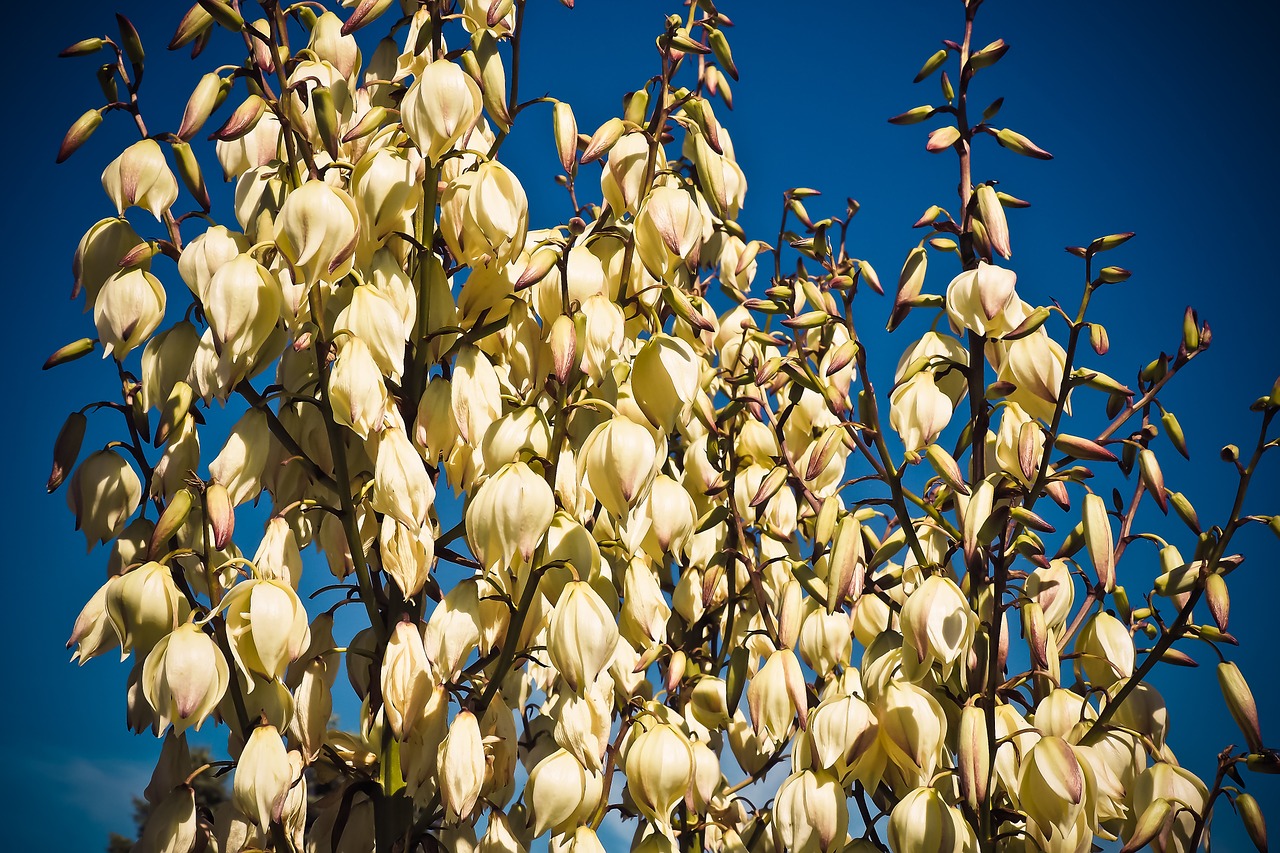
(1239, 698)
(140, 176)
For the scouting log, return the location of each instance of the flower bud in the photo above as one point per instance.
(812, 812)
(262, 778)
(973, 756)
(407, 682)
(484, 216)
(184, 678)
(1239, 698)
(144, 606)
(668, 231)
(582, 635)
(317, 230)
(664, 379)
(356, 389)
(659, 768)
(913, 728)
(1097, 538)
(977, 300)
(618, 460)
(561, 793)
(460, 767)
(919, 411)
(171, 827)
(434, 429)
(439, 108)
(1105, 651)
(1254, 823)
(128, 309)
(922, 822)
(267, 626)
(509, 515)
(240, 465)
(774, 696)
(140, 176)
(938, 626)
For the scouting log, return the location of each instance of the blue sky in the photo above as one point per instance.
(1157, 114)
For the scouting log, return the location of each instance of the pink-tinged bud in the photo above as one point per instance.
(104, 491)
(70, 352)
(565, 130)
(262, 778)
(440, 108)
(1239, 698)
(129, 307)
(992, 213)
(1019, 144)
(78, 134)
(659, 769)
(668, 231)
(618, 462)
(140, 176)
(561, 793)
(812, 812)
(317, 230)
(973, 756)
(582, 635)
(184, 678)
(564, 347)
(267, 626)
(66, 448)
(208, 94)
(1254, 823)
(603, 141)
(407, 682)
(365, 13)
(171, 521)
(220, 513)
(922, 822)
(1051, 785)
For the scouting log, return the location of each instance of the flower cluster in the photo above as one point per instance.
(611, 519)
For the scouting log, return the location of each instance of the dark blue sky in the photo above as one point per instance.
(1158, 114)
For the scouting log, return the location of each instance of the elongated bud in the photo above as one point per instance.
(1153, 478)
(564, 347)
(242, 120)
(70, 352)
(193, 24)
(222, 12)
(189, 172)
(171, 521)
(1083, 448)
(1254, 823)
(1173, 429)
(845, 567)
(208, 93)
(1098, 540)
(131, 43)
(992, 213)
(1151, 823)
(910, 283)
(220, 514)
(973, 756)
(1019, 144)
(932, 64)
(1240, 703)
(460, 767)
(1185, 511)
(366, 12)
(66, 449)
(372, 120)
(78, 133)
(946, 467)
(173, 411)
(1219, 601)
(564, 128)
(603, 139)
(84, 47)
